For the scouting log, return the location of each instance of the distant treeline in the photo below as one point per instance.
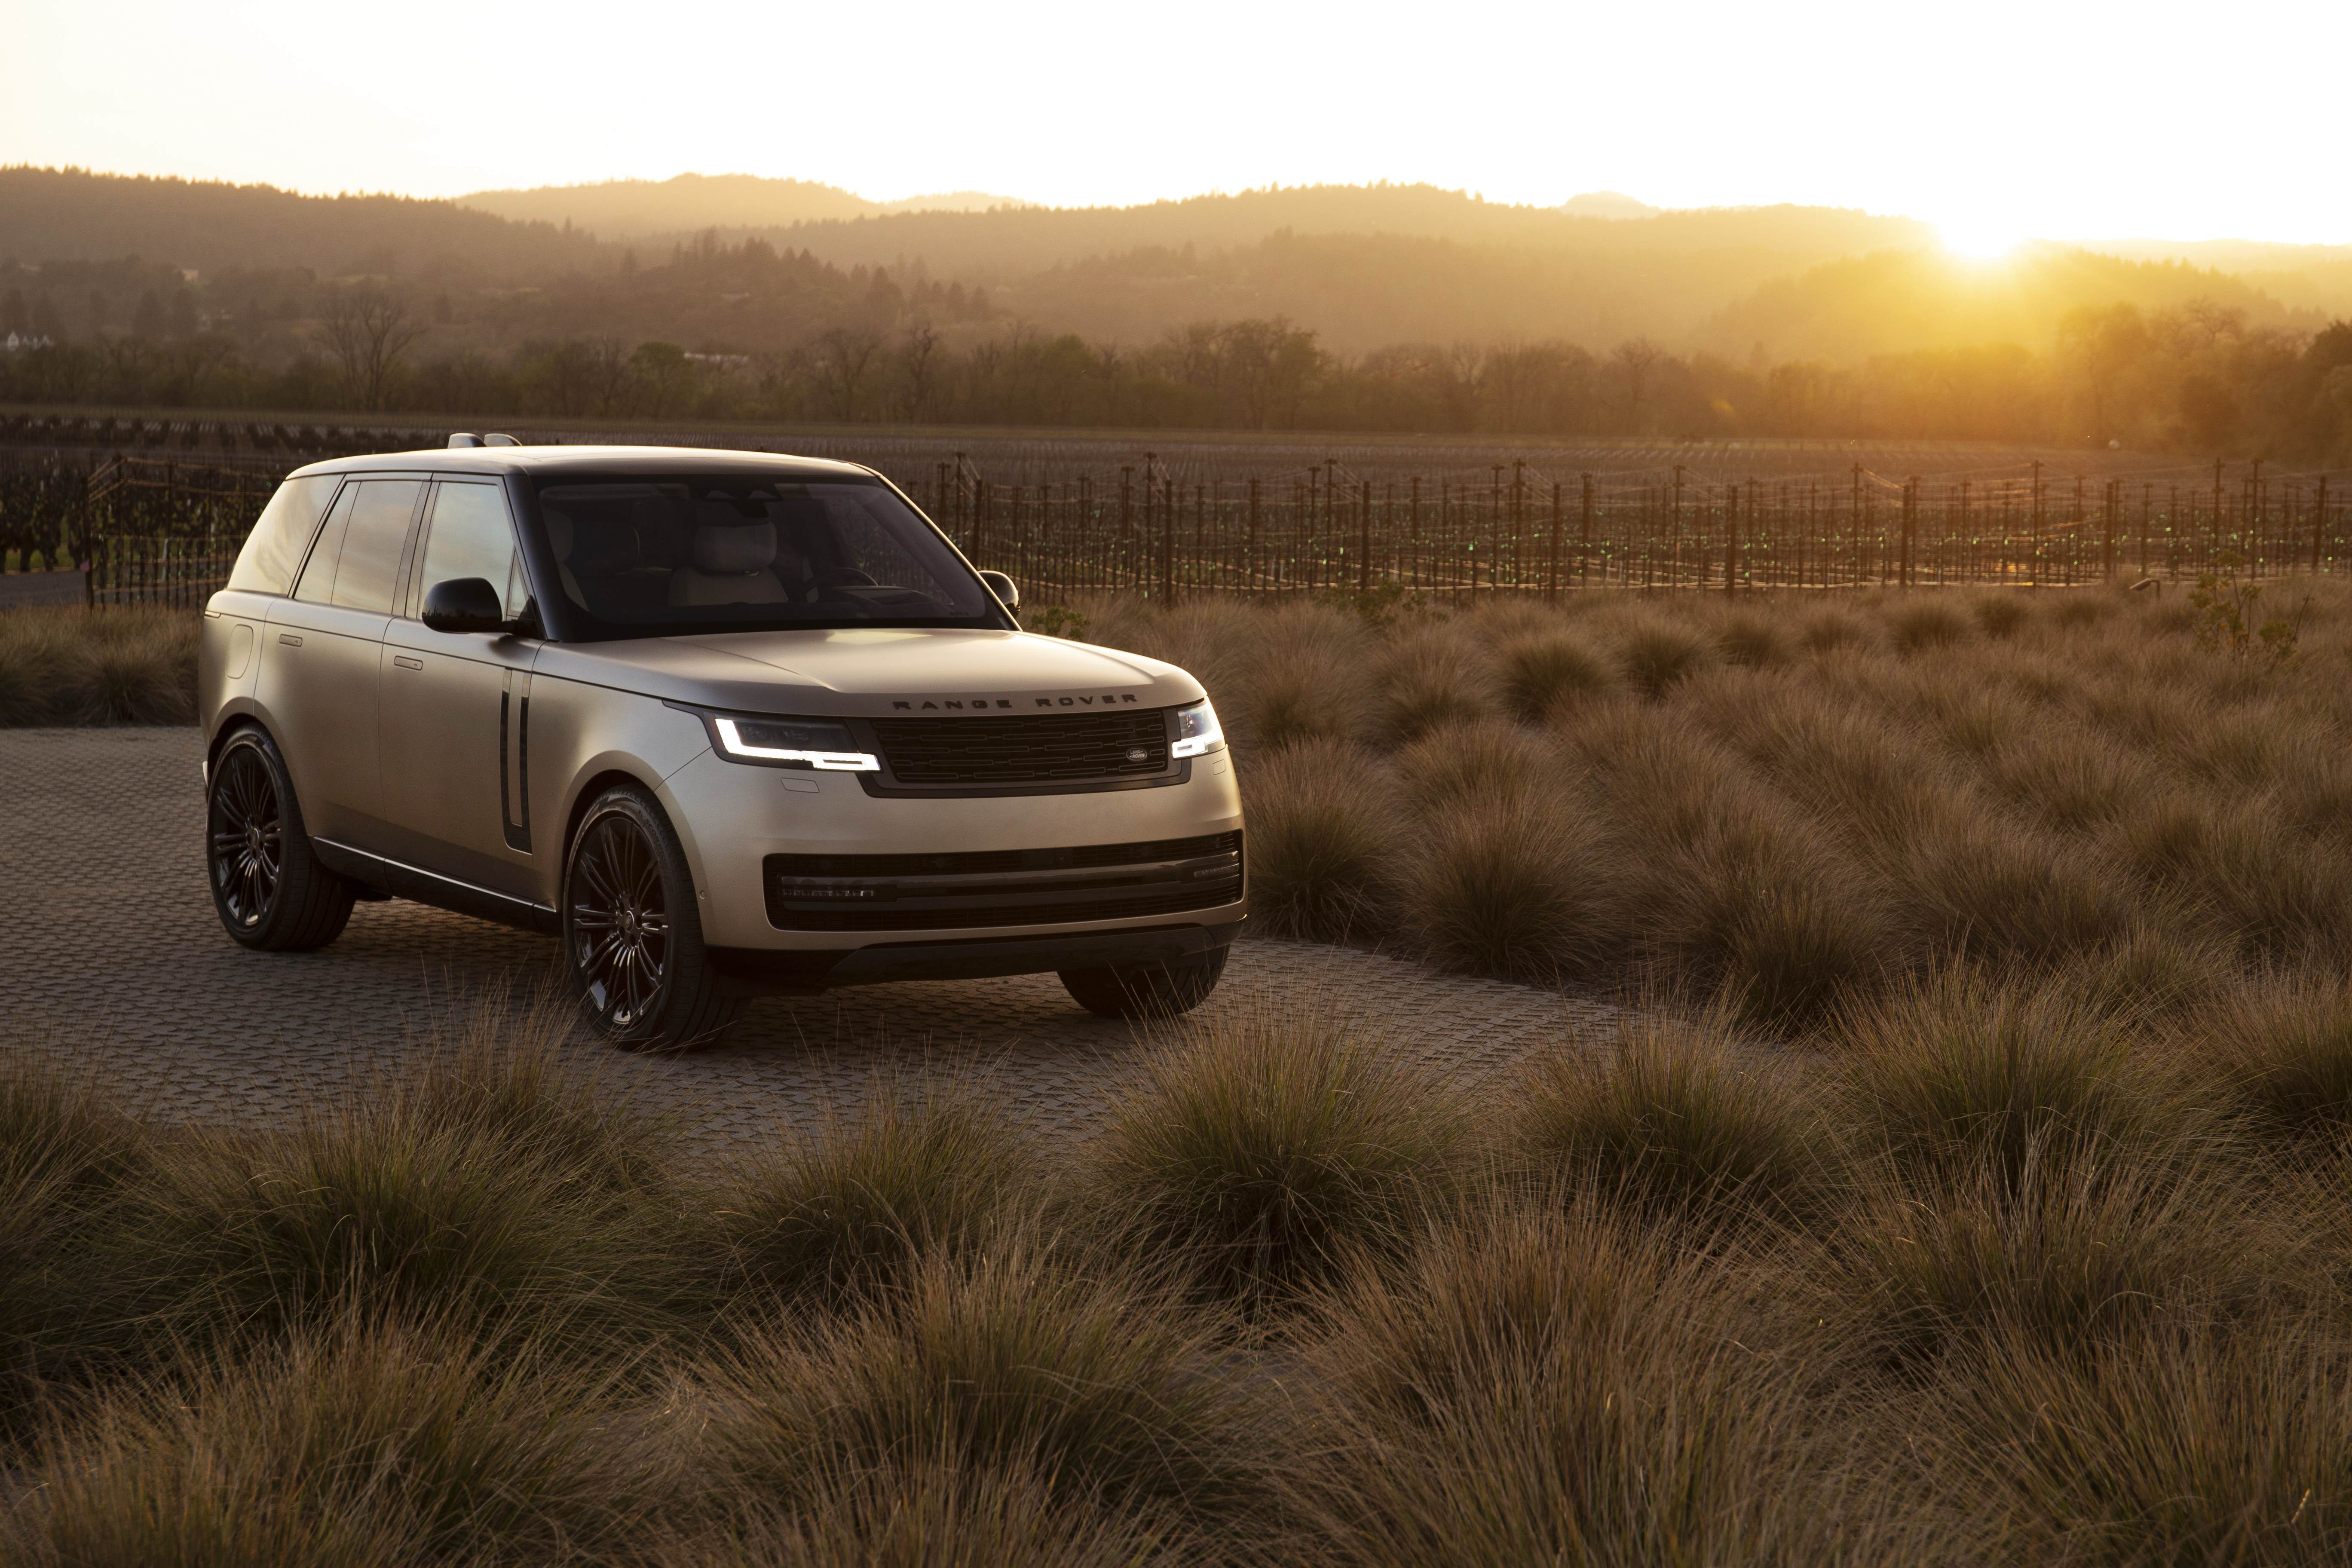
(2198, 378)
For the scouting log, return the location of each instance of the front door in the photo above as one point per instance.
(320, 654)
(456, 708)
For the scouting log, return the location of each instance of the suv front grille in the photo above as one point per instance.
(1045, 748)
(1002, 888)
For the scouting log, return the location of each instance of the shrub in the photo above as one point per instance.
(65, 1157)
(1262, 1147)
(501, 1188)
(2001, 614)
(1955, 1071)
(1978, 889)
(2282, 1050)
(1004, 1367)
(1831, 630)
(1323, 842)
(931, 1516)
(2048, 1245)
(1433, 675)
(86, 667)
(2161, 1447)
(829, 1218)
(352, 1445)
(1930, 623)
(1751, 641)
(1657, 654)
(1513, 885)
(1311, 681)
(1542, 673)
(1547, 1392)
(1672, 1121)
(1460, 762)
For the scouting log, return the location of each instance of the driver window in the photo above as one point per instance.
(470, 537)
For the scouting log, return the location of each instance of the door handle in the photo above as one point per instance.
(407, 663)
(289, 639)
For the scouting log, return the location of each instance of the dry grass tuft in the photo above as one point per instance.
(1513, 884)
(1323, 832)
(847, 1213)
(98, 666)
(1547, 671)
(1263, 1149)
(1681, 1120)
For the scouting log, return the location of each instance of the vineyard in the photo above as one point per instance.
(158, 511)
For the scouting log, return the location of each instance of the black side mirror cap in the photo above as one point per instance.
(1004, 588)
(464, 605)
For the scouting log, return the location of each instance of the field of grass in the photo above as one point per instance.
(1976, 1273)
(72, 666)
(1972, 1191)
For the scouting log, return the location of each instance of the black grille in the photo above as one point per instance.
(1045, 747)
(1002, 888)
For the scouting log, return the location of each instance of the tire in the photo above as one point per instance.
(632, 933)
(268, 888)
(1145, 990)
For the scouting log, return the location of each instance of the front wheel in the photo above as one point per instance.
(631, 932)
(268, 888)
(1145, 990)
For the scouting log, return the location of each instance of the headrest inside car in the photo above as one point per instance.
(558, 533)
(747, 547)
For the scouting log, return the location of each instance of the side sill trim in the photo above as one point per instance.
(414, 882)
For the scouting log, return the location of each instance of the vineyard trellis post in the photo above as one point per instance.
(1584, 537)
(2319, 528)
(1551, 566)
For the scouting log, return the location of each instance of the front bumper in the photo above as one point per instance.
(731, 818)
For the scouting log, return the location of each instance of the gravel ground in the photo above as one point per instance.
(115, 959)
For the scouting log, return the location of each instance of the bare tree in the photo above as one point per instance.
(842, 359)
(367, 330)
(922, 375)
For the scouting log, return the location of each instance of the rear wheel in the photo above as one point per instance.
(631, 932)
(1145, 990)
(268, 888)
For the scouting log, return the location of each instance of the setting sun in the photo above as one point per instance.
(1978, 239)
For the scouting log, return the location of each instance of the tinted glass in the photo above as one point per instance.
(319, 575)
(373, 543)
(667, 554)
(274, 549)
(469, 537)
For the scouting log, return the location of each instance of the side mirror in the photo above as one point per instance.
(464, 605)
(1003, 588)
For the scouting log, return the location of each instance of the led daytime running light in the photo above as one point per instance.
(829, 762)
(1197, 731)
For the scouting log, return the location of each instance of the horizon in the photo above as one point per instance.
(1755, 112)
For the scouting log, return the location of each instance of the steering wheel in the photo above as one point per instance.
(841, 578)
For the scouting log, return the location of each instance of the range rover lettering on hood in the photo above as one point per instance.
(967, 704)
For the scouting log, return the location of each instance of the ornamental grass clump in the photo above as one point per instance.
(1263, 1149)
(1086, 1383)
(828, 1217)
(1323, 841)
(1680, 1119)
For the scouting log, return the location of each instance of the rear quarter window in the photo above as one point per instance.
(274, 549)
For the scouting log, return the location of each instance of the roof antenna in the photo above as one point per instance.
(465, 438)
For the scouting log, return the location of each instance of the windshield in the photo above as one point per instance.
(664, 555)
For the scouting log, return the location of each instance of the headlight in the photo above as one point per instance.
(1197, 731)
(819, 743)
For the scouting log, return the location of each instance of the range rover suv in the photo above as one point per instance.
(725, 723)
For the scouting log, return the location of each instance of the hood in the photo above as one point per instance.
(875, 673)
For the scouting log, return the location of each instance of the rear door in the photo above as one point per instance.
(319, 655)
(456, 707)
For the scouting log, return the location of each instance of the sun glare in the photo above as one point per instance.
(1978, 239)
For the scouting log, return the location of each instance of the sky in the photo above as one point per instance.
(1995, 119)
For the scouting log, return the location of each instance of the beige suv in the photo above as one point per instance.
(724, 723)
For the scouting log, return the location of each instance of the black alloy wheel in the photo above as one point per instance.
(630, 929)
(267, 886)
(248, 839)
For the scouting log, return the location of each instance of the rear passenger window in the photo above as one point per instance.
(319, 576)
(470, 537)
(274, 549)
(372, 544)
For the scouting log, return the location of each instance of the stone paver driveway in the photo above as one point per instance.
(109, 954)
